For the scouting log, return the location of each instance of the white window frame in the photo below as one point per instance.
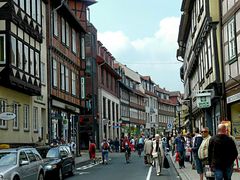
(43, 66)
(35, 119)
(55, 23)
(83, 47)
(16, 119)
(55, 78)
(26, 58)
(231, 39)
(37, 64)
(74, 43)
(3, 103)
(26, 117)
(67, 35)
(31, 62)
(20, 54)
(66, 79)
(14, 52)
(62, 86)
(63, 31)
(73, 84)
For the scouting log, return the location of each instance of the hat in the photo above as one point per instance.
(157, 135)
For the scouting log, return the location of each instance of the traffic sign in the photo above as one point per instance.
(169, 125)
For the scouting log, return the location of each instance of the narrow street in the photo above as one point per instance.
(117, 169)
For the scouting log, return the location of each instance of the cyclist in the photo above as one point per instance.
(127, 149)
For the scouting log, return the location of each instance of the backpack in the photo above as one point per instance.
(105, 146)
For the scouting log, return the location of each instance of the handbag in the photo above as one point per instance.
(208, 172)
(166, 163)
(155, 155)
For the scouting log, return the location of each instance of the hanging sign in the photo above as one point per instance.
(203, 100)
(7, 116)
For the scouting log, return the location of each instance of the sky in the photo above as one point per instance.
(142, 34)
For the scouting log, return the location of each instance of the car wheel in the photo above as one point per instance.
(60, 175)
(72, 169)
(41, 177)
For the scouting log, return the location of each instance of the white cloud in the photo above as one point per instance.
(157, 50)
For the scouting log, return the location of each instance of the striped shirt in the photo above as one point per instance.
(203, 149)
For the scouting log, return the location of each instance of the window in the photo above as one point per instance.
(74, 48)
(83, 48)
(31, 62)
(34, 14)
(102, 75)
(35, 119)
(13, 51)
(209, 49)
(67, 79)
(37, 63)
(63, 35)
(62, 77)
(2, 49)
(54, 80)
(20, 55)
(73, 83)
(55, 23)
(26, 117)
(22, 4)
(39, 15)
(67, 34)
(104, 108)
(43, 66)
(82, 88)
(26, 58)
(15, 120)
(3, 103)
(231, 40)
(31, 156)
(28, 7)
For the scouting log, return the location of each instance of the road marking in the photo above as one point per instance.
(149, 173)
(81, 173)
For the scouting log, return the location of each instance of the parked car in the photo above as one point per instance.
(59, 162)
(21, 164)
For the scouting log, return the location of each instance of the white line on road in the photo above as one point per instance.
(149, 173)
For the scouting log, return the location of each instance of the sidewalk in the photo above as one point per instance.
(188, 173)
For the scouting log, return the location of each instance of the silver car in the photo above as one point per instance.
(21, 163)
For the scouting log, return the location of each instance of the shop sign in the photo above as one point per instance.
(203, 100)
(233, 98)
(7, 116)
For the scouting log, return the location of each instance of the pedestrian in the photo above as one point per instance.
(92, 151)
(197, 140)
(203, 149)
(73, 147)
(126, 148)
(158, 154)
(116, 144)
(140, 145)
(148, 147)
(222, 152)
(180, 149)
(105, 149)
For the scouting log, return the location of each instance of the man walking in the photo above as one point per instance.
(222, 152)
(158, 154)
(180, 149)
(203, 149)
(148, 150)
(197, 140)
(105, 149)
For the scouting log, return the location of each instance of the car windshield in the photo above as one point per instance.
(8, 158)
(53, 153)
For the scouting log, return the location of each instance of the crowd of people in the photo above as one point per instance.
(212, 156)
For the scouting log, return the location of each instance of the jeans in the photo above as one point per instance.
(225, 174)
(105, 156)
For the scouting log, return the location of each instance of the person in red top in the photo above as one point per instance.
(126, 147)
(92, 150)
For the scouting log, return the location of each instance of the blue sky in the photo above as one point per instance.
(142, 35)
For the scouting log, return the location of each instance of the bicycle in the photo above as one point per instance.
(127, 154)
